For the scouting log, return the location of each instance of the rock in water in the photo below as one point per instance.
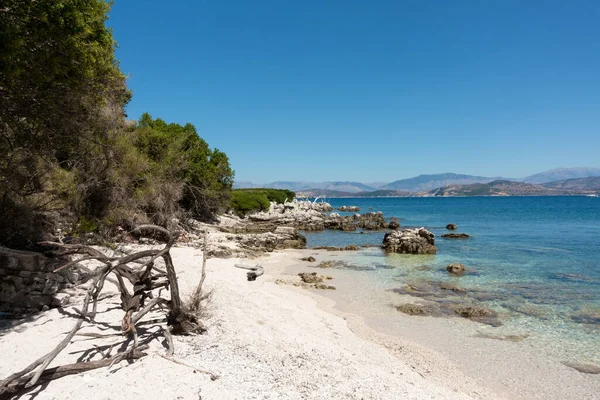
(456, 269)
(410, 241)
(309, 259)
(394, 224)
(451, 227)
(456, 236)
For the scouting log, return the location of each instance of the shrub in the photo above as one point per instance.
(245, 201)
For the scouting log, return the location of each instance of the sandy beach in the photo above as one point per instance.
(269, 339)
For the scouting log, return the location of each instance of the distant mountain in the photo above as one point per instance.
(342, 186)
(337, 193)
(495, 188)
(591, 184)
(560, 174)
(428, 182)
(245, 185)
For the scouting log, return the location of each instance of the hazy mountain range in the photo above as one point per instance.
(424, 183)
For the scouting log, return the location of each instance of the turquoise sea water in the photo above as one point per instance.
(535, 260)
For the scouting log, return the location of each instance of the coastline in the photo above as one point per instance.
(263, 341)
(453, 351)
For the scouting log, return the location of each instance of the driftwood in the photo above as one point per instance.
(255, 270)
(136, 285)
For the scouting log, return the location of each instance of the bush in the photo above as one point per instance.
(245, 201)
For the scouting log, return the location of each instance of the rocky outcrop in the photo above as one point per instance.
(451, 227)
(348, 209)
(28, 283)
(311, 216)
(456, 269)
(455, 236)
(410, 241)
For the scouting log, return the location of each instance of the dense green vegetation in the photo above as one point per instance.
(244, 201)
(67, 152)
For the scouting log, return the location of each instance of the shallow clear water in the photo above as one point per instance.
(535, 260)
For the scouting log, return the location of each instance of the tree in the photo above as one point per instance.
(62, 100)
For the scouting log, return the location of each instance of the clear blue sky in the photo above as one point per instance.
(371, 91)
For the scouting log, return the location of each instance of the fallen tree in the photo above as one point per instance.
(137, 278)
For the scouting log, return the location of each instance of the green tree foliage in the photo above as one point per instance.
(66, 149)
(245, 201)
(61, 104)
(177, 153)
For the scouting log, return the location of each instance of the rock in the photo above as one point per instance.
(456, 269)
(394, 224)
(592, 318)
(456, 236)
(451, 227)
(510, 338)
(475, 312)
(323, 286)
(411, 309)
(326, 264)
(454, 288)
(309, 259)
(423, 268)
(348, 209)
(60, 300)
(410, 241)
(584, 368)
(371, 221)
(310, 277)
(351, 247)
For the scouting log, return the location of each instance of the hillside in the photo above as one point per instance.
(560, 174)
(337, 193)
(591, 184)
(341, 186)
(495, 188)
(428, 182)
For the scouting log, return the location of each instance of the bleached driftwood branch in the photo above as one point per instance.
(255, 270)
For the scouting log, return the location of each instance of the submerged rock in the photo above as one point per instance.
(423, 268)
(456, 269)
(584, 368)
(410, 241)
(451, 227)
(456, 236)
(411, 309)
(475, 312)
(312, 277)
(510, 338)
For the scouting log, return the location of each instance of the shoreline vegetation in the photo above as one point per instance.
(129, 234)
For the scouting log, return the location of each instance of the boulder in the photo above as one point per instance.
(456, 269)
(394, 224)
(455, 236)
(351, 247)
(451, 227)
(309, 259)
(410, 241)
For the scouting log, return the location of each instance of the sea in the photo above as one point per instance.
(533, 260)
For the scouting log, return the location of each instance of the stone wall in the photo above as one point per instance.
(27, 281)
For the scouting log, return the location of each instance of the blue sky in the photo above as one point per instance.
(371, 91)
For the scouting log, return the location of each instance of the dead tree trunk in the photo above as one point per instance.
(144, 277)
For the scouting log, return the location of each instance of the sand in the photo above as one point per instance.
(269, 340)
(264, 342)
